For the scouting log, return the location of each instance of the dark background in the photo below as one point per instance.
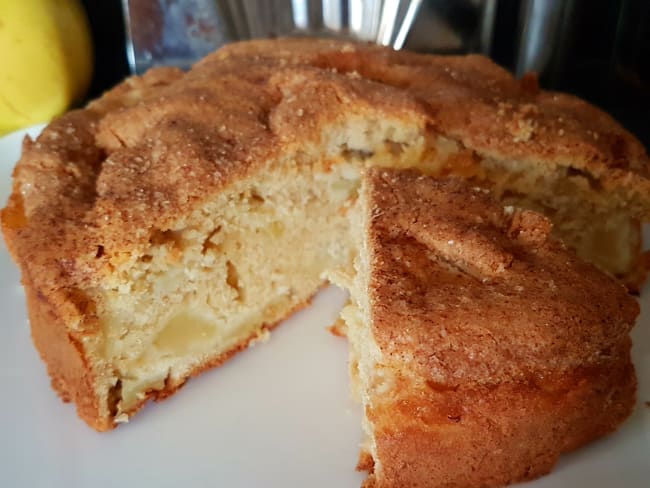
(602, 52)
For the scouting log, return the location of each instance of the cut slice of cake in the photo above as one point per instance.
(181, 215)
(481, 348)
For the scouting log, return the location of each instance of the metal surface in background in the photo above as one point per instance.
(540, 26)
(178, 32)
(598, 50)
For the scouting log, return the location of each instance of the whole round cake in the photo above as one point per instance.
(180, 216)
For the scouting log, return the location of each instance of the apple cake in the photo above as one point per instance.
(177, 218)
(480, 347)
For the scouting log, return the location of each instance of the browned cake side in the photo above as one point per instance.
(128, 186)
(485, 349)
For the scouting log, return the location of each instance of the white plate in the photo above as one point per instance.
(278, 415)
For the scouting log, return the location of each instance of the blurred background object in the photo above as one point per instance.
(45, 60)
(179, 32)
(597, 49)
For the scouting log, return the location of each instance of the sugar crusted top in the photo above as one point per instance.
(464, 291)
(100, 180)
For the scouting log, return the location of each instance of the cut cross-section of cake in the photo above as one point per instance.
(178, 217)
(481, 348)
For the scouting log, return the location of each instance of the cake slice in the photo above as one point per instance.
(181, 215)
(481, 348)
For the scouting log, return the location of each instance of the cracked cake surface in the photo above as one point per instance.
(483, 347)
(152, 212)
(154, 147)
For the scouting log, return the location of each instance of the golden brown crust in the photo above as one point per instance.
(474, 100)
(72, 378)
(498, 435)
(504, 290)
(155, 147)
(102, 180)
(504, 350)
(365, 461)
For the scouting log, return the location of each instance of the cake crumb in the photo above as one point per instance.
(338, 328)
(262, 336)
(122, 418)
